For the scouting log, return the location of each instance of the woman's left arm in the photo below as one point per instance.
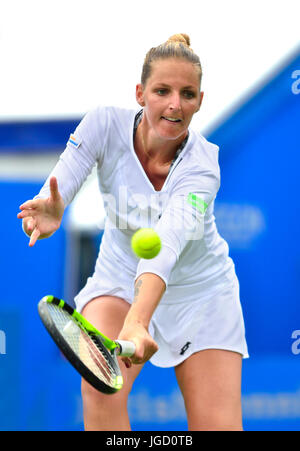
(149, 289)
(181, 221)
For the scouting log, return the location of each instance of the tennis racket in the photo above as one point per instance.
(92, 354)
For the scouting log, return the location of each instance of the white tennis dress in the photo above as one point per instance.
(201, 306)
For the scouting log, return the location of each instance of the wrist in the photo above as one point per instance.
(134, 319)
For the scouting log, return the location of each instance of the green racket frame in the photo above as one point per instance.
(109, 348)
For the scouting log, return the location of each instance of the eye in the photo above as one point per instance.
(161, 91)
(188, 94)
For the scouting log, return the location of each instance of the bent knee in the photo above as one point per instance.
(93, 397)
(104, 412)
(212, 420)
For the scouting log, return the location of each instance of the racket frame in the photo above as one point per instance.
(108, 347)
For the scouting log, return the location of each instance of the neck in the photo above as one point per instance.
(159, 150)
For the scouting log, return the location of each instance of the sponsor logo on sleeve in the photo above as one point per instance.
(74, 141)
(197, 202)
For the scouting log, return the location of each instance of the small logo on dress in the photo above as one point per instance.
(185, 348)
(74, 141)
(197, 202)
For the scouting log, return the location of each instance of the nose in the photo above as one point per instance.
(175, 102)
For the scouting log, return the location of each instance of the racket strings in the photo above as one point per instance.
(98, 357)
(86, 347)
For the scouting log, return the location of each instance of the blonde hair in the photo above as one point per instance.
(177, 46)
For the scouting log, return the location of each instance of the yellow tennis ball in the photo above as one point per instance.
(146, 243)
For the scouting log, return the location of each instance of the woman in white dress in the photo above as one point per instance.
(182, 308)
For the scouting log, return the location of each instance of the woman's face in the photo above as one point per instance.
(170, 97)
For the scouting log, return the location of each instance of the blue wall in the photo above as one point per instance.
(257, 212)
(26, 275)
(260, 158)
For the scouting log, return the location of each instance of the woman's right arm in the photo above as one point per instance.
(42, 215)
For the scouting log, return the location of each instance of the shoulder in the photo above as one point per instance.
(200, 156)
(109, 115)
(204, 154)
(103, 121)
(114, 121)
(115, 115)
(199, 168)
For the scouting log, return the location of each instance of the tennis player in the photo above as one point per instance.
(181, 308)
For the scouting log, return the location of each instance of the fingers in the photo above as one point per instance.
(29, 224)
(29, 204)
(142, 354)
(31, 229)
(145, 345)
(54, 193)
(34, 237)
(26, 214)
(127, 361)
(27, 209)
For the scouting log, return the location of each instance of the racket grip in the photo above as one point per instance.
(127, 348)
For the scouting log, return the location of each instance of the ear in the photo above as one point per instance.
(139, 94)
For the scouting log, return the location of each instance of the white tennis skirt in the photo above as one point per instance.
(181, 325)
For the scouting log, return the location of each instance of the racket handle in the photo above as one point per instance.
(127, 348)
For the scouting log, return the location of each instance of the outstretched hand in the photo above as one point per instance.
(42, 217)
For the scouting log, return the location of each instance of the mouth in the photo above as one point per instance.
(172, 119)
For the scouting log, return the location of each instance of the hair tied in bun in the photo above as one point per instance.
(177, 46)
(181, 37)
